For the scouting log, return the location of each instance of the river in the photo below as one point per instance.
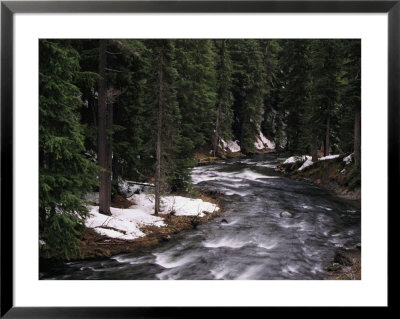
(255, 242)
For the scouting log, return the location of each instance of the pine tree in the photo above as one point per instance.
(272, 123)
(294, 66)
(65, 174)
(326, 62)
(105, 134)
(196, 93)
(248, 90)
(162, 96)
(224, 114)
(351, 92)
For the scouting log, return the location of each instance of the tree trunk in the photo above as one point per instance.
(219, 110)
(104, 177)
(314, 151)
(217, 125)
(158, 149)
(109, 151)
(326, 143)
(357, 136)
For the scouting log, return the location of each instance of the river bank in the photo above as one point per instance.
(337, 173)
(98, 242)
(252, 240)
(95, 245)
(346, 265)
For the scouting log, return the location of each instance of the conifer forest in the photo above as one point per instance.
(200, 158)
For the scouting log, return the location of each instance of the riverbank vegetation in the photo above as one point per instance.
(337, 172)
(149, 110)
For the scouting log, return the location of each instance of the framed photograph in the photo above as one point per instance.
(158, 156)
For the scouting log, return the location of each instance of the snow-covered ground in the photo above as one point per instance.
(262, 142)
(308, 160)
(307, 163)
(126, 223)
(294, 159)
(328, 157)
(348, 159)
(232, 146)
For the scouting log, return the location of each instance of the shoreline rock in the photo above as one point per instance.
(286, 214)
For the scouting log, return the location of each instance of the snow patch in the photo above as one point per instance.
(307, 160)
(262, 142)
(328, 157)
(348, 159)
(123, 224)
(270, 144)
(126, 223)
(232, 146)
(294, 159)
(307, 163)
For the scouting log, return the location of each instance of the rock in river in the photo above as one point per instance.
(286, 214)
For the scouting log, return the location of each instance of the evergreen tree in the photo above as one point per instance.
(141, 109)
(294, 65)
(65, 174)
(224, 114)
(196, 93)
(248, 90)
(105, 134)
(351, 98)
(272, 123)
(326, 62)
(162, 96)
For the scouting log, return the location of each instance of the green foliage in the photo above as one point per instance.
(224, 88)
(353, 178)
(272, 124)
(294, 63)
(61, 238)
(285, 88)
(349, 93)
(65, 174)
(318, 84)
(196, 82)
(248, 90)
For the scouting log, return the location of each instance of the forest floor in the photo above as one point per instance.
(95, 245)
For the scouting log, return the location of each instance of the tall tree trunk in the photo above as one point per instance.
(158, 149)
(109, 148)
(104, 178)
(217, 129)
(357, 136)
(219, 110)
(314, 151)
(326, 142)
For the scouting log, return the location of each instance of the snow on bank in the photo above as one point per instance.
(348, 159)
(126, 223)
(262, 142)
(307, 160)
(182, 206)
(123, 224)
(267, 142)
(328, 157)
(232, 146)
(307, 163)
(294, 159)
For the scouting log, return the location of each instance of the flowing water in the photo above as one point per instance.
(254, 243)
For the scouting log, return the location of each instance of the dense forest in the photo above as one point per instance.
(140, 110)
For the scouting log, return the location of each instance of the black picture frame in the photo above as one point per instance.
(9, 8)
